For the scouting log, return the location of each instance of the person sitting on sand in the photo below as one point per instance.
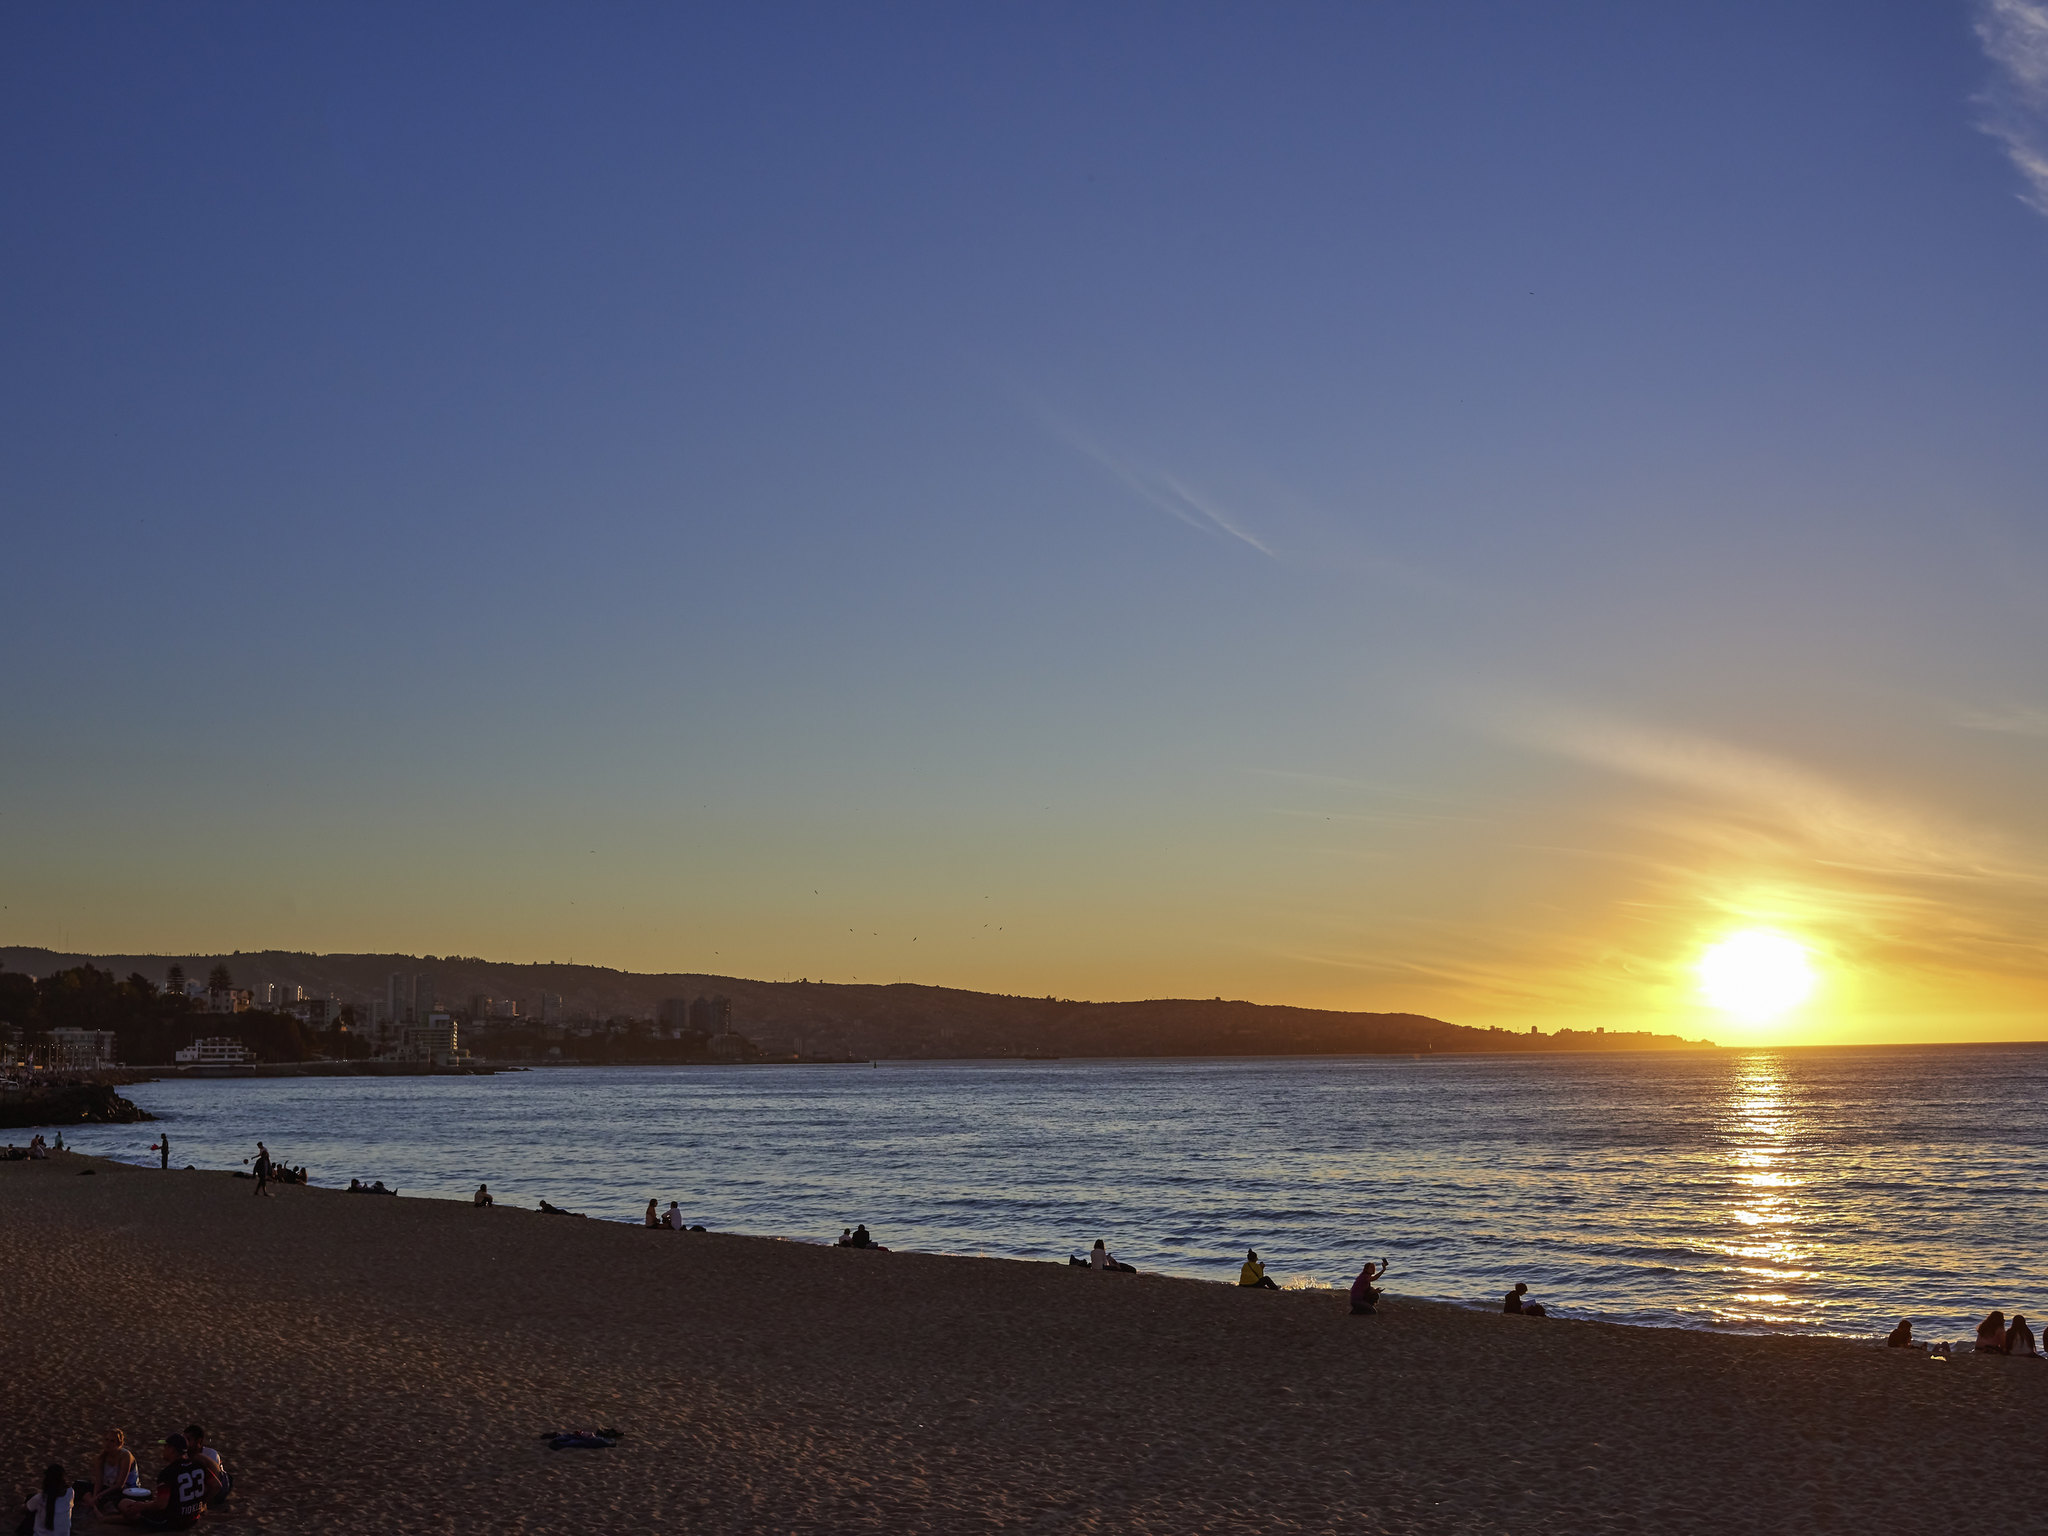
(1100, 1258)
(860, 1238)
(49, 1509)
(482, 1196)
(674, 1220)
(1901, 1337)
(182, 1489)
(845, 1237)
(2019, 1338)
(355, 1187)
(1253, 1276)
(116, 1472)
(1364, 1297)
(653, 1216)
(1991, 1335)
(195, 1440)
(1522, 1308)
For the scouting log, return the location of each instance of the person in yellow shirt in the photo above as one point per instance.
(1253, 1276)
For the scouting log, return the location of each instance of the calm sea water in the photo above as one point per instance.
(1800, 1191)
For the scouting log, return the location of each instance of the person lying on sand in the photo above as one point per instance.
(1253, 1276)
(1364, 1297)
(1991, 1335)
(482, 1196)
(1901, 1337)
(182, 1489)
(116, 1472)
(1522, 1308)
(2019, 1338)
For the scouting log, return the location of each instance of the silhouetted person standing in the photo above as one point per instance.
(163, 1145)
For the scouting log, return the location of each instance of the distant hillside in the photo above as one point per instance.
(904, 1020)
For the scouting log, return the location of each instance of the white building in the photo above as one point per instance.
(215, 1051)
(433, 1041)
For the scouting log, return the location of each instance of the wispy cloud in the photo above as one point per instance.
(2015, 104)
(1168, 492)
(2021, 720)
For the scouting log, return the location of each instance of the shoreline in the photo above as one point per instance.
(390, 1363)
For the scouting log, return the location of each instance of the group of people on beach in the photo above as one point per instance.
(1995, 1336)
(35, 1152)
(267, 1171)
(192, 1480)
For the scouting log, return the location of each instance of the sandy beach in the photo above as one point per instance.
(370, 1364)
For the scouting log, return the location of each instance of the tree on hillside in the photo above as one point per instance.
(218, 979)
(174, 979)
(17, 998)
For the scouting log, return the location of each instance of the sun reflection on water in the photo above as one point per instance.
(1766, 1259)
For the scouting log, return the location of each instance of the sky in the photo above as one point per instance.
(1454, 508)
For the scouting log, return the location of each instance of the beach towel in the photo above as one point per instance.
(582, 1439)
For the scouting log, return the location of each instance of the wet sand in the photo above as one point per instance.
(370, 1364)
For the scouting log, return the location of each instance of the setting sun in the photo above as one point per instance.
(1756, 975)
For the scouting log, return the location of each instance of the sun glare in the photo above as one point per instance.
(1756, 974)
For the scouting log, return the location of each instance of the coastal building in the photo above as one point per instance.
(409, 997)
(227, 1000)
(215, 1051)
(81, 1050)
(432, 1040)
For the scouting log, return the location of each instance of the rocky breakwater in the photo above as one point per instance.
(66, 1104)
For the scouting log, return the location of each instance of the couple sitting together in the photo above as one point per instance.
(1995, 1337)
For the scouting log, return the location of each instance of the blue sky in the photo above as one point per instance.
(1444, 507)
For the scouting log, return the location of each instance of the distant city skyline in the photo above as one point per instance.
(1465, 509)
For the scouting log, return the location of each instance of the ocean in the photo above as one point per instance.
(1801, 1191)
